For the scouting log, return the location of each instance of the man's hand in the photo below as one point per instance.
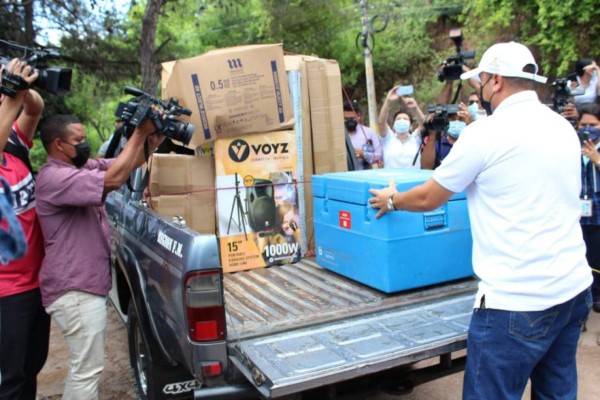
(570, 112)
(154, 140)
(380, 198)
(18, 70)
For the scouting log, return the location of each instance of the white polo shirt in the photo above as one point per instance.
(521, 168)
(398, 154)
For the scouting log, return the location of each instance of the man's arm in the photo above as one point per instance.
(11, 106)
(384, 113)
(132, 155)
(426, 197)
(33, 107)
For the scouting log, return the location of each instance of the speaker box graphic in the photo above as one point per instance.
(260, 205)
(257, 200)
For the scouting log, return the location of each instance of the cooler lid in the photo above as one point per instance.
(353, 186)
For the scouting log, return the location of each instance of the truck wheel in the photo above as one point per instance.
(152, 380)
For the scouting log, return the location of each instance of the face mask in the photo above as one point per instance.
(455, 128)
(473, 110)
(351, 125)
(401, 126)
(487, 105)
(82, 153)
(592, 133)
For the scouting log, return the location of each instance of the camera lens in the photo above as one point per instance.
(183, 132)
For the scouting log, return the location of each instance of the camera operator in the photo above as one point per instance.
(24, 324)
(442, 141)
(587, 71)
(401, 144)
(75, 275)
(589, 134)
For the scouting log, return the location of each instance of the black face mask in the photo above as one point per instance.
(350, 125)
(82, 154)
(486, 104)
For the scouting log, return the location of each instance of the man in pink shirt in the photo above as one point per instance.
(75, 275)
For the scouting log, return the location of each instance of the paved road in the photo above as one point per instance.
(117, 383)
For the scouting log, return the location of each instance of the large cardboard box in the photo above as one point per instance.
(232, 91)
(297, 74)
(327, 116)
(184, 186)
(257, 200)
(403, 250)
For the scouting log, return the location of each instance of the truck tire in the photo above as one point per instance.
(154, 381)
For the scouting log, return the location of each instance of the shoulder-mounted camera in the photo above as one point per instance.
(56, 80)
(452, 67)
(140, 108)
(563, 91)
(437, 120)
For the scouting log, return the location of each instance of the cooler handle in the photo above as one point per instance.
(435, 219)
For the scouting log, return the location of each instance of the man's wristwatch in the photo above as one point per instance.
(390, 203)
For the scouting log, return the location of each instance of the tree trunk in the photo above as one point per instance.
(148, 60)
(29, 30)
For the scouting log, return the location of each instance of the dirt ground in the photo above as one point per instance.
(117, 383)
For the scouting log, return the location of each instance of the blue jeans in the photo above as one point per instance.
(505, 349)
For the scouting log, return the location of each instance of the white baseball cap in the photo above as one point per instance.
(506, 59)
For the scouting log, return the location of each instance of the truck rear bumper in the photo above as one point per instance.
(232, 392)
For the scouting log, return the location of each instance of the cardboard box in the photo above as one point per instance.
(257, 200)
(181, 174)
(297, 74)
(232, 91)
(184, 186)
(198, 209)
(401, 251)
(327, 116)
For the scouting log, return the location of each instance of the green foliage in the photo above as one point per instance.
(560, 32)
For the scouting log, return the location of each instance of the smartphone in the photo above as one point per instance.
(405, 90)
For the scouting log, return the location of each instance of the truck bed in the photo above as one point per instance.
(268, 300)
(296, 327)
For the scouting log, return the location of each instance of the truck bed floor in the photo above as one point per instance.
(269, 300)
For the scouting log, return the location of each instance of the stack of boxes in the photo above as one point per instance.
(268, 137)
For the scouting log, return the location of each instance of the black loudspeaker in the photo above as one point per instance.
(260, 205)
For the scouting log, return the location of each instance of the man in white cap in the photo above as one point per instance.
(519, 168)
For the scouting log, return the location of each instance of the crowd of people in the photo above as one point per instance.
(532, 192)
(65, 272)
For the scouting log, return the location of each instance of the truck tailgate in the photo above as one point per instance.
(297, 327)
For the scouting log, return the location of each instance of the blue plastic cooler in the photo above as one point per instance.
(401, 250)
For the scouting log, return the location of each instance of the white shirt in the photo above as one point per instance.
(398, 154)
(590, 94)
(521, 168)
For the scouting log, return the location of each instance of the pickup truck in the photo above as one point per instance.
(285, 332)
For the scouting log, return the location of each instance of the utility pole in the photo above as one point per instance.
(371, 96)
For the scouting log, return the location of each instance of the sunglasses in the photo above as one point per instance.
(473, 101)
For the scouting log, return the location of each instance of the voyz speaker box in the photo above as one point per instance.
(258, 217)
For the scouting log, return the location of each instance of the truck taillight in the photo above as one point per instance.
(204, 306)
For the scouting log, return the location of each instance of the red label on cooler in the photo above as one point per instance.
(345, 219)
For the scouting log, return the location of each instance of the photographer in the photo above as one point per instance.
(401, 144)
(24, 324)
(586, 71)
(589, 134)
(443, 140)
(75, 275)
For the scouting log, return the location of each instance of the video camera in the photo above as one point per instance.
(439, 120)
(452, 67)
(138, 109)
(56, 80)
(562, 92)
